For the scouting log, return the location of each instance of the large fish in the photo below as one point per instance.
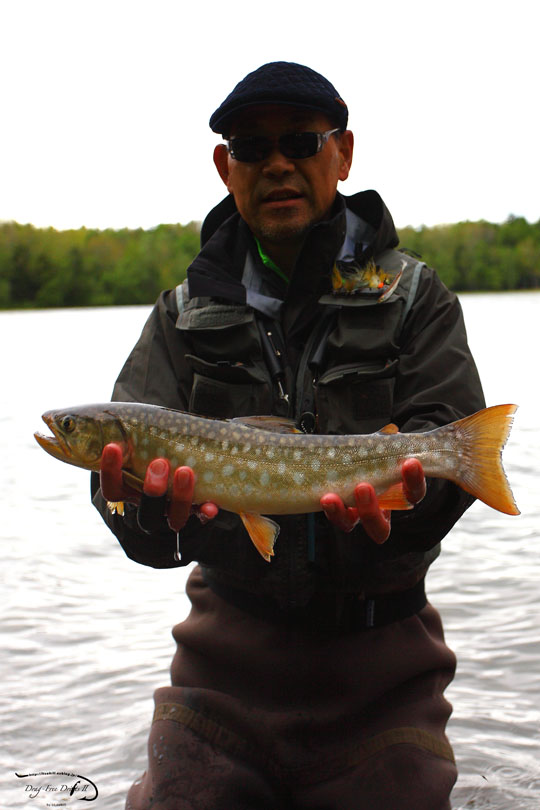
(260, 465)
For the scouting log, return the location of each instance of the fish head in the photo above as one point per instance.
(79, 435)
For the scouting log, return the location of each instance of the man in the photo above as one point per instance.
(316, 680)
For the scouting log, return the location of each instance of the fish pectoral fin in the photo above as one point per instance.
(275, 424)
(394, 498)
(389, 429)
(116, 507)
(263, 533)
(132, 481)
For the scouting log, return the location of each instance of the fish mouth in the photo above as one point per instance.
(54, 445)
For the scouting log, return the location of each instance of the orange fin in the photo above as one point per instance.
(482, 437)
(394, 498)
(391, 428)
(275, 424)
(263, 533)
(116, 507)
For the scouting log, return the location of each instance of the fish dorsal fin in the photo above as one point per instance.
(389, 429)
(274, 424)
(394, 498)
(263, 533)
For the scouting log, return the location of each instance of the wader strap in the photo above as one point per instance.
(355, 612)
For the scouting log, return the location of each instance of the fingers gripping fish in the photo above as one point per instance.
(261, 465)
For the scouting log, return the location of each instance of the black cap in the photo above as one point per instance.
(282, 83)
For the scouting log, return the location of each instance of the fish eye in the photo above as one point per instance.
(68, 424)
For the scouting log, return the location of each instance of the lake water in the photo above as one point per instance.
(86, 632)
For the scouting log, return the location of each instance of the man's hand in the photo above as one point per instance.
(153, 503)
(375, 521)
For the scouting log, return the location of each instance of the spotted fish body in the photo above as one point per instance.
(251, 469)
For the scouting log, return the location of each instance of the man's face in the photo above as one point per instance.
(280, 197)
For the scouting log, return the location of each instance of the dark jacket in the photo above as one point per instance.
(335, 363)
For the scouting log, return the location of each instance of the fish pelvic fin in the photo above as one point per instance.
(394, 498)
(263, 533)
(482, 437)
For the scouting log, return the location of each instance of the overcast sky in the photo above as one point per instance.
(105, 104)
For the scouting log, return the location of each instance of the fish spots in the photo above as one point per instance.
(228, 469)
(297, 455)
(225, 445)
(252, 464)
(298, 477)
(331, 452)
(246, 448)
(316, 464)
(209, 456)
(264, 478)
(242, 475)
(281, 468)
(332, 475)
(191, 461)
(234, 450)
(248, 489)
(208, 476)
(270, 452)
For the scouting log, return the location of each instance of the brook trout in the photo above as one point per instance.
(261, 465)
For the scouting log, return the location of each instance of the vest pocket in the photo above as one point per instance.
(225, 390)
(356, 398)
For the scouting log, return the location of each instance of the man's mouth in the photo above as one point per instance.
(282, 195)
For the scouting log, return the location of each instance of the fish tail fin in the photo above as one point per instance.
(482, 437)
(263, 533)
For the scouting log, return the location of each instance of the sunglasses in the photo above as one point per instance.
(295, 145)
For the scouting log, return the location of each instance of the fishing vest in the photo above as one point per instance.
(344, 380)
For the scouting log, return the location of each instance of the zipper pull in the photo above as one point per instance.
(273, 356)
(307, 422)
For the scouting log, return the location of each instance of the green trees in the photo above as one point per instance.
(43, 267)
(480, 255)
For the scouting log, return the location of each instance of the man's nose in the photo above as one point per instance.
(277, 164)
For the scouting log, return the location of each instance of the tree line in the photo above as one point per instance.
(43, 267)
